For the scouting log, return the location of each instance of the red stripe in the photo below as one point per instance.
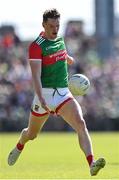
(57, 109)
(37, 114)
(52, 112)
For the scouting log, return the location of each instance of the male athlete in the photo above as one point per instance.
(48, 61)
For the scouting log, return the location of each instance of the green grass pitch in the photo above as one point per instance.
(58, 156)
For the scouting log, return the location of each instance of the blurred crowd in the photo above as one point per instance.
(15, 80)
(101, 104)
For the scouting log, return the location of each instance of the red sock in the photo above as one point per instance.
(20, 146)
(90, 159)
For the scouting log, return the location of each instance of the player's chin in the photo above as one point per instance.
(54, 35)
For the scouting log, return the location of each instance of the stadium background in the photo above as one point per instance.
(96, 55)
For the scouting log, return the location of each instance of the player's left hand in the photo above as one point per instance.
(70, 60)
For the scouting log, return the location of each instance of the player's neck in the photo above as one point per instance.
(46, 36)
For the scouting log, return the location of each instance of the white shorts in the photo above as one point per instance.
(55, 99)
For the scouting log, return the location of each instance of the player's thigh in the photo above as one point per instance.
(36, 123)
(72, 114)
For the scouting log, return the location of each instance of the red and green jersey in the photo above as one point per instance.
(53, 54)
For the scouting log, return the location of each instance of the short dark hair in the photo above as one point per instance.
(50, 13)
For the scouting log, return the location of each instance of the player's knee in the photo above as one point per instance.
(28, 134)
(24, 132)
(81, 125)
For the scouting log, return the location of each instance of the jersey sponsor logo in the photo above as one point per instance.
(63, 57)
(59, 53)
(58, 56)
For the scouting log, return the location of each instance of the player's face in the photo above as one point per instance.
(51, 28)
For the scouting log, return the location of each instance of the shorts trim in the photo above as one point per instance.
(37, 114)
(57, 109)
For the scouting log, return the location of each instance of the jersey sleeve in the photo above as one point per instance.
(35, 52)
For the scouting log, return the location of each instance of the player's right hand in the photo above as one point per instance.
(44, 105)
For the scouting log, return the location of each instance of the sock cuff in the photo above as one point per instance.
(90, 159)
(20, 146)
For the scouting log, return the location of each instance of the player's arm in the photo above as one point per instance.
(36, 67)
(36, 74)
(70, 60)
